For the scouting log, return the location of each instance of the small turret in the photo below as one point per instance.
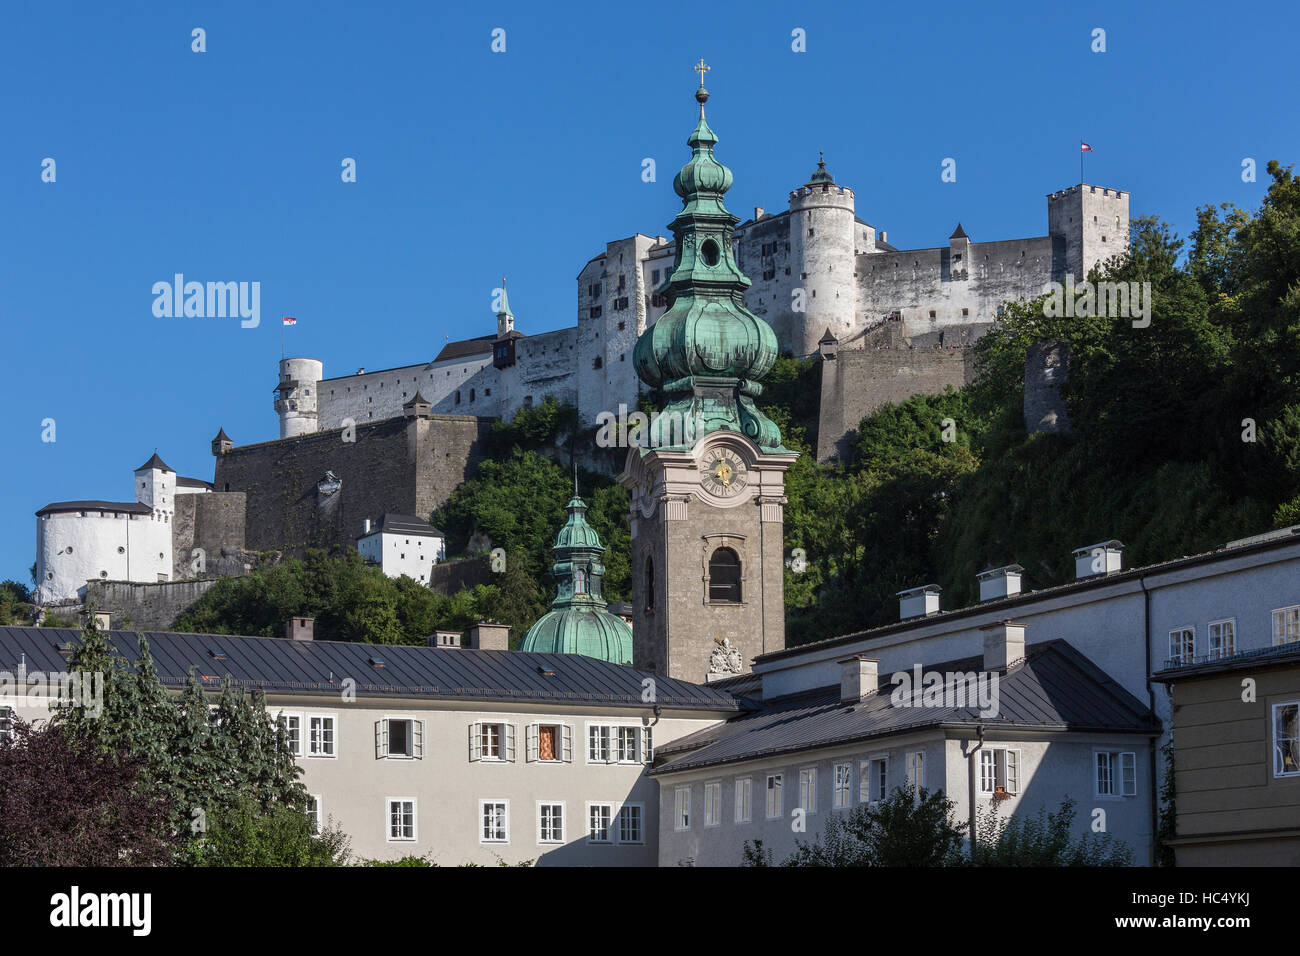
(417, 407)
(505, 318)
(959, 254)
(222, 443)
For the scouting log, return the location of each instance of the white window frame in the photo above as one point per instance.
(506, 752)
(388, 820)
(1283, 614)
(622, 731)
(609, 823)
(808, 789)
(1119, 785)
(682, 808)
(771, 812)
(1176, 652)
(604, 731)
(1278, 772)
(334, 736)
(505, 820)
(867, 778)
(743, 804)
(383, 736)
(842, 785)
(542, 839)
(283, 718)
(640, 818)
(1004, 762)
(316, 816)
(713, 803)
(915, 762)
(564, 742)
(1231, 631)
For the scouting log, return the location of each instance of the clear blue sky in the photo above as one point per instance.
(225, 166)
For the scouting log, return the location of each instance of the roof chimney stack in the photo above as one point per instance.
(859, 679)
(1098, 560)
(1000, 582)
(300, 628)
(1004, 644)
(449, 640)
(489, 637)
(918, 602)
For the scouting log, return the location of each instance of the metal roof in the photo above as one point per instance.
(155, 462)
(465, 348)
(404, 524)
(1053, 688)
(129, 507)
(282, 666)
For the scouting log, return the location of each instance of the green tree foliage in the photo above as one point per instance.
(1047, 839)
(246, 834)
(15, 601)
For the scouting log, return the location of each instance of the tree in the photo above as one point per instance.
(63, 804)
(246, 834)
(1046, 839)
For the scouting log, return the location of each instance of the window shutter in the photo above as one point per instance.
(987, 772)
(381, 739)
(647, 745)
(1128, 771)
(417, 731)
(567, 751)
(1013, 771)
(476, 741)
(510, 741)
(530, 745)
(611, 745)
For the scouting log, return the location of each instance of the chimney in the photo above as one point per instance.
(1098, 559)
(1004, 644)
(1000, 582)
(300, 628)
(858, 679)
(884, 236)
(918, 602)
(448, 640)
(365, 526)
(758, 213)
(489, 637)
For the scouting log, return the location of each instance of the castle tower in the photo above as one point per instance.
(958, 255)
(222, 443)
(708, 492)
(822, 250)
(505, 318)
(155, 486)
(296, 397)
(1089, 225)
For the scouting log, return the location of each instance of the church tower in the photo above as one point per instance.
(708, 490)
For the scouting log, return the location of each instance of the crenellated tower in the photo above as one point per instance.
(822, 245)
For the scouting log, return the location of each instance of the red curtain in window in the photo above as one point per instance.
(546, 743)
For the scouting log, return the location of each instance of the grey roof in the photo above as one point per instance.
(282, 666)
(155, 462)
(405, 524)
(130, 507)
(465, 348)
(959, 233)
(1053, 688)
(192, 483)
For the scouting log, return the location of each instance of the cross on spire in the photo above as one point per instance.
(701, 68)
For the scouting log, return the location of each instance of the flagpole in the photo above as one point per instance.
(1081, 151)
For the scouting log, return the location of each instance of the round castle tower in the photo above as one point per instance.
(295, 395)
(822, 249)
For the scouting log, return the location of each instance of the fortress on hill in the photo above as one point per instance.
(886, 323)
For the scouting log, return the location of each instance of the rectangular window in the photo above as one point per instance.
(808, 789)
(491, 737)
(775, 801)
(599, 816)
(1223, 639)
(1286, 739)
(550, 823)
(1182, 645)
(999, 770)
(401, 818)
(550, 743)
(628, 744)
(682, 808)
(842, 795)
(1286, 625)
(873, 779)
(596, 311)
(6, 724)
(491, 742)
(916, 771)
(399, 737)
(654, 276)
(598, 749)
(320, 736)
(313, 812)
(631, 827)
(712, 804)
(1116, 773)
(744, 800)
(292, 724)
(494, 818)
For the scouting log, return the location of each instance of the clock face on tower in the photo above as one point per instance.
(722, 473)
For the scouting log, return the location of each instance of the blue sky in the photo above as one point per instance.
(471, 164)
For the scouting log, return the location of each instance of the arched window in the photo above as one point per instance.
(649, 584)
(724, 576)
(580, 582)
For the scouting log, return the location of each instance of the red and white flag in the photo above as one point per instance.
(289, 320)
(1084, 147)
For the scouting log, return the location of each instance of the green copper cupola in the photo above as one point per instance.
(707, 352)
(579, 622)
